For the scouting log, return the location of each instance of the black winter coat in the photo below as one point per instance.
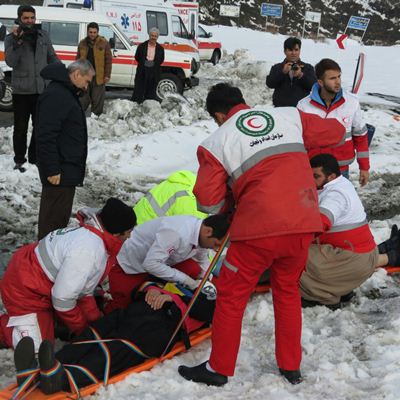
(141, 90)
(288, 92)
(61, 131)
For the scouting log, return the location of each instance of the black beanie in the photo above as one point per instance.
(116, 216)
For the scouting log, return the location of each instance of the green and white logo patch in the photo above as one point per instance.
(255, 123)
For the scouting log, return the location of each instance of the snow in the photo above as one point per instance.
(352, 353)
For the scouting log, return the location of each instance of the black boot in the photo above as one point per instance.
(201, 374)
(52, 374)
(393, 258)
(347, 297)
(24, 359)
(392, 243)
(294, 377)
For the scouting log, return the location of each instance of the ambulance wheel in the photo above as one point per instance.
(6, 103)
(169, 83)
(216, 56)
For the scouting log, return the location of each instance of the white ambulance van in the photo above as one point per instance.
(209, 49)
(66, 27)
(136, 17)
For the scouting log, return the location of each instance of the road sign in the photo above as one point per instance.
(340, 40)
(229, 11)
(359, 23)
(271, 10)
(312, 16)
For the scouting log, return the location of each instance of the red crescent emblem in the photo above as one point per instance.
(249, 123)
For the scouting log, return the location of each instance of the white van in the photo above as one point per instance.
(67, 27)
(136, 17)
(209, 50)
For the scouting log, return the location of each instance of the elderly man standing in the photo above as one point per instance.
(27, 50)
(149, 56)
(96, 49)
(61, 141)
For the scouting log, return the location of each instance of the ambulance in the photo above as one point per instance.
(209, 49)
(66, 27)
(136, 17)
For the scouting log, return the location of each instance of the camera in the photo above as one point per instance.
(295, 66)
(27, 28)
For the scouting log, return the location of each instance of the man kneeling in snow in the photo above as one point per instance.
(117, 341)
(60, 273)
(345, 255)
(174, 249)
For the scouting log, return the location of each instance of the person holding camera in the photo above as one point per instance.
(292, 79)
(28, 50)
(96, 49)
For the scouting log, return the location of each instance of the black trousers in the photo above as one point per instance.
(145, 86)
(24, 108)
(55, 208)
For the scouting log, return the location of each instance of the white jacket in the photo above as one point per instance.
(156, 245)
(75, 260)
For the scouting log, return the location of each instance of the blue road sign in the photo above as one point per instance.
(271, 10)
(359, 23)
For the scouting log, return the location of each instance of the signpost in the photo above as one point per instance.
(340, 41)
(359, 23)
(229, 11)
(271, 10)
(312, 16)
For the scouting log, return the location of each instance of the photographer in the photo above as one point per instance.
(27, 50)
(292, 79)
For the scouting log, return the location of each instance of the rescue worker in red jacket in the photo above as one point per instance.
(256, 162)
(59, 274)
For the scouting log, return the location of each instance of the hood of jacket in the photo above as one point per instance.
(58, 72)
(88, 219)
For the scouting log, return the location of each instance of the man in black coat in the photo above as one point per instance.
(150, 56)
(292, 79)
(61, 141)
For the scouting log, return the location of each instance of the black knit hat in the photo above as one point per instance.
(116, 216)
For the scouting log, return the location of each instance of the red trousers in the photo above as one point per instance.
(122, 284)
(245, 261)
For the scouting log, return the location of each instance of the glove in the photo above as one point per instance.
(191, 283)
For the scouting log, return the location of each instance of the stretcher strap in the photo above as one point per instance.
(72, 384)
(30, 375)
(107, 355)
(83, 370)
(50, 372)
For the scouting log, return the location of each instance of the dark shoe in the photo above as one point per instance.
(347, 297)
(294, 377)
(393, 258)
(392, 243)
(51, 371)
(311, 303)
(24, 359)
(201, 374)
(19, 167)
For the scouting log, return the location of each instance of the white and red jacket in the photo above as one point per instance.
(257, 161)
(157, 245)
(346, 108)
(344, 218)
(62, 271)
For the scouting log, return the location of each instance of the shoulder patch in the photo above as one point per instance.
(255, 123)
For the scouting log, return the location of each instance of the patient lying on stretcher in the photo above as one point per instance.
(117, 341)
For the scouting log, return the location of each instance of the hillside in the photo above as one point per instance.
(383, 27)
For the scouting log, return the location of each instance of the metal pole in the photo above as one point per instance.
(355, 75)
(198, 290)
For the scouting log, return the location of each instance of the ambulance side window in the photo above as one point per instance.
(108, 33)
(62, 33)
(157, 20)
(179, 28)
(8, 23)
(202, 33)
(192, 24)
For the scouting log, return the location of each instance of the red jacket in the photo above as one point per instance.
(257, 162)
